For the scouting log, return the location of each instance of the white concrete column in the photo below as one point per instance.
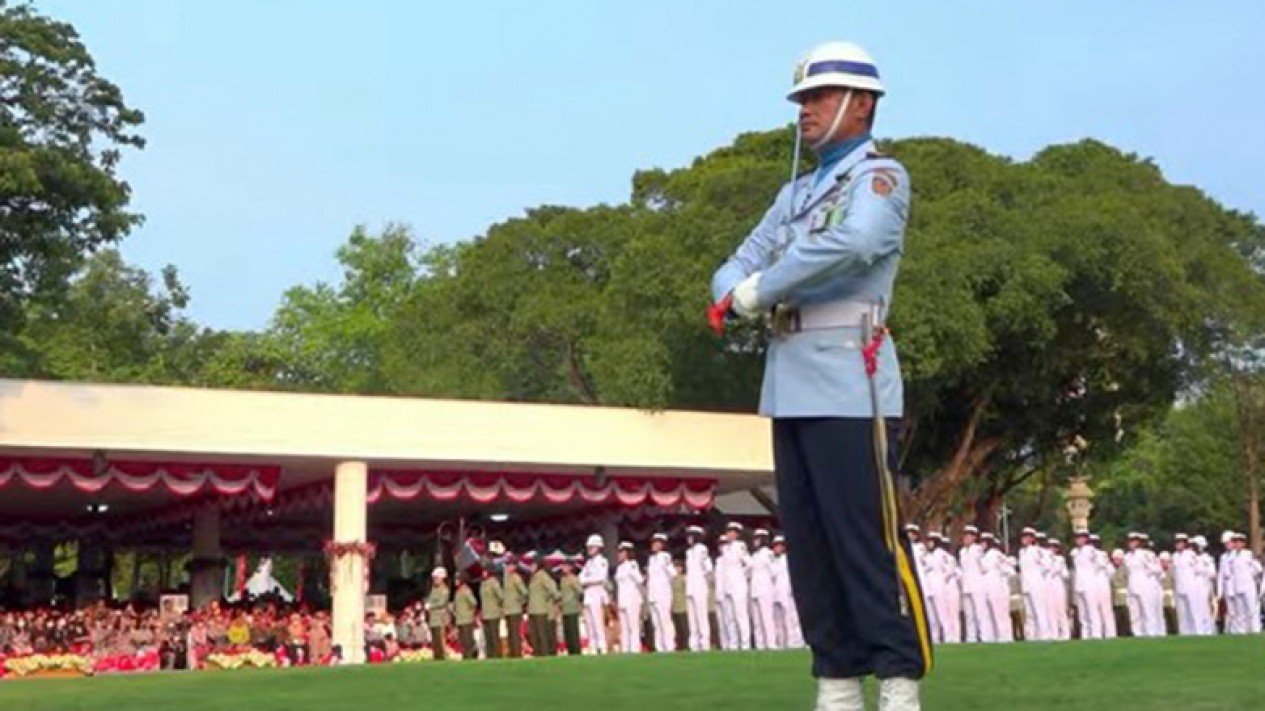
(347, 572)
(206, 570)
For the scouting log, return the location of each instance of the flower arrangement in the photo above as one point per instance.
(335, 549)
(414, 655)
(48, 663)
(252, 658)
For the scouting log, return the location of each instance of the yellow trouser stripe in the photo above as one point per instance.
(915, 602)
(905, 573)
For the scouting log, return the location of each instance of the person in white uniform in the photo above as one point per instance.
(1246, 571)
(698, 568)
(1146, 591)
(1101, 597)
(952, 576)
(720, 575)
(934, 570)
(1057, 576)
(737, 572)
(1185, 586)
(1203, 583)
(969, 555)
(1032, 578)
(628, 582)
(594, 577)
(659, 575)
(1084, 573)
(788, 632)
(995, 625)
(762, 591)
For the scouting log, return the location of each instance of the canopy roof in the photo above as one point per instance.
(148, 455)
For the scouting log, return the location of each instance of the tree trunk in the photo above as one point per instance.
(575, 374)
(969, 454)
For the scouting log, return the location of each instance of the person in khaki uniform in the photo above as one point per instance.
(465, 607)
(437, 611)
(572, 606)
(514, 600)
(680, 607)
(492, 609)
(1120, 595)
(542, 597)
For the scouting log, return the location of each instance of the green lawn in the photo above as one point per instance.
(1209, 674)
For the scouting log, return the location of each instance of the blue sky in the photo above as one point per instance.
(276, 126)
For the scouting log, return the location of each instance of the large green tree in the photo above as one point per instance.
(331, 337)
(113, 323)
(62, 127)
(1183, 473)
(1073, 295)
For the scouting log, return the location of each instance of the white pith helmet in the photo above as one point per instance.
(838, 64)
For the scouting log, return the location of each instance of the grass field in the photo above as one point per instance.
(1208, 674)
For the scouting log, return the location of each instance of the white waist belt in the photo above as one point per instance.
(829, 314)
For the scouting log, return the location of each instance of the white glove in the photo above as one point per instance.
(746, 295)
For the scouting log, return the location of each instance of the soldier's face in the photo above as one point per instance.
(818, 107)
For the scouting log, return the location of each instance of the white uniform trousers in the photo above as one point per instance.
(788, 633)
(1091, 628)
(595, 621)
(1036, 611)
(737, 611)
(971, 606)
(995, 622)
(700, 623)
(1186, 624)
(764, 624)
(661, 621)
(630, 627)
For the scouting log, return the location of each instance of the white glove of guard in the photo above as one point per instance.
(746, 295)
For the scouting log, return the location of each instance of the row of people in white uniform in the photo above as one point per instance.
(751, 592)
(968, 597)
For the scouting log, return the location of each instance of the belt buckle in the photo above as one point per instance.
(784, 320)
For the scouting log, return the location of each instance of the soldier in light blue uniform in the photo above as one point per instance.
(821, 266)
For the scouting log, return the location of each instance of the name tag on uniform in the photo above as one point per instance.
(830, 215)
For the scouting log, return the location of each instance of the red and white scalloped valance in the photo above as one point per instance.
(486, 488)
(180, 479)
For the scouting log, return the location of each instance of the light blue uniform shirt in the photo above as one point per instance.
(841, 241)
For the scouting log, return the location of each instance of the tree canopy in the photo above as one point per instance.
(62, 129)
(1071, 297)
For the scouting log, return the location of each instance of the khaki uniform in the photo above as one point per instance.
(465, 607)
(492, 595)
(514, 600)
(572, 606)
(542, 598)
(437, 612)
(1120, 601)
(680, 613)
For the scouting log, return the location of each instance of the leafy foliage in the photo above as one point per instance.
(62, 127)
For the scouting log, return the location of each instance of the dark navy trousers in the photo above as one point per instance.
(858, 597)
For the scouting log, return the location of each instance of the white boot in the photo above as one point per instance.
(898, 694)
(839, 695)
